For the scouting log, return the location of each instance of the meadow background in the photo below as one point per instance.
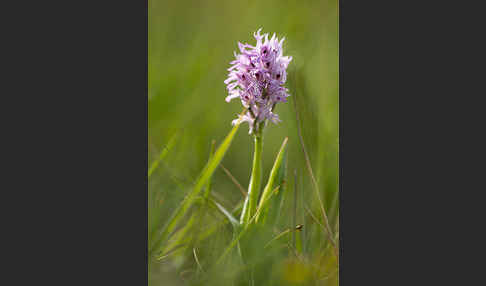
(190, 46)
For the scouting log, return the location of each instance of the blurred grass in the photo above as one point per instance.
(190, 46)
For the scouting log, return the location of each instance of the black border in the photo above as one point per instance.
(82, 144)
(79, 166)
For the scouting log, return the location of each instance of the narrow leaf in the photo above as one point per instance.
(163, 154)
(205, 175)
(226, 213)
(272, 178)
(246, 227)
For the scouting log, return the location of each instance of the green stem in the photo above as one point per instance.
(251, 201)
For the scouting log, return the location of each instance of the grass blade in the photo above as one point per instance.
(277, 237)
(181, 236)
(163, 154)
(214, 228)
(272, 178)
(233, 179)
(173, 250)
(225, 212)
(208, 183)
(287, 231)
(273, 211)
(246, 227)
(199, 267)
(205, 175)
(294, 214)
(314, 182)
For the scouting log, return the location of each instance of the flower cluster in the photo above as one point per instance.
(257, 77)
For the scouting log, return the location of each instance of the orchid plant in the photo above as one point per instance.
(257, 77)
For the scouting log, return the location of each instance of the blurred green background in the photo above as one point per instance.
(190, 46)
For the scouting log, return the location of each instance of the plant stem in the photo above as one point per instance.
(251, 201)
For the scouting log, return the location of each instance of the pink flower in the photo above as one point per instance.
(257, 76)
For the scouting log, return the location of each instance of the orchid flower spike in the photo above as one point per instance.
(257, 77)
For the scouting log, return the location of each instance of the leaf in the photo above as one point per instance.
(246, 227)
(275, 209)
(287, 231)
(212, 229)
(251, 200)
(163, 154)
(226, 213)
(205, 175)
(180, 237)
(271, 180)
(208, 183)
(173, 250)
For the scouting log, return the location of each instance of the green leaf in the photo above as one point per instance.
(205, 175)
(244, 228)
(251, 200)
(172, 251)
(271, 180)
(225, 212)
(212, 229)
(163, 154)
(287, 231)
(208, 183)
(182, 237)
(275, 209)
